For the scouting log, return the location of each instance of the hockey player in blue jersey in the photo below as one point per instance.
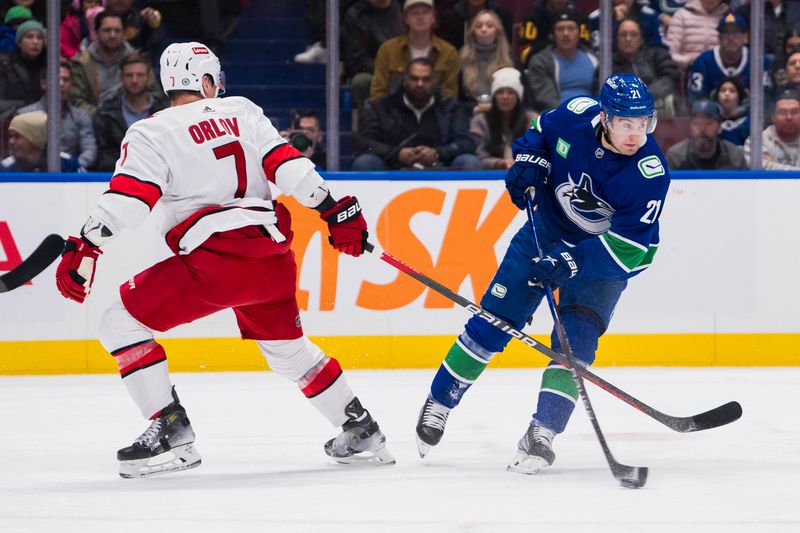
(599, 181)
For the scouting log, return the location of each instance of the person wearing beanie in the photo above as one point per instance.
(27, 139)
(21, 69)
(494, 130)
(8, 30)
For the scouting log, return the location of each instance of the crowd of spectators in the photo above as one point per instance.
(106, 78)
(434, 83)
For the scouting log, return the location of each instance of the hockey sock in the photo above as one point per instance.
(463, 364)
(557, 396)
(143, 367)
(558, 393)
(326, 388)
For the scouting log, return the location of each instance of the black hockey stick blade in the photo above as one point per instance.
(719, 416)
(630, 477)
(41, 258)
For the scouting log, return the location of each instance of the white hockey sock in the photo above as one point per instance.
(144, 371)
(326, 388)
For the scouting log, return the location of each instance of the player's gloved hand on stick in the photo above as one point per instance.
(75, 273)
(556, 267)
(530, 169)
(347, 226)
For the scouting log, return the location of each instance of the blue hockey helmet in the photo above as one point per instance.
(626, 95)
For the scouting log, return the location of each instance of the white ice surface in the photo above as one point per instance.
(264, 469)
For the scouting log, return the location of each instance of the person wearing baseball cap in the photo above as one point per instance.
(395, 54)
(704, 150)
(565, 68)
(731, 56)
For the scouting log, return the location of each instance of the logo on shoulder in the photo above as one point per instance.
(651, 167)
(581, 104)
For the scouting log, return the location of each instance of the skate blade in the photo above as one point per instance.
(523, 463)
(177, 459)
(423, 447)
(379, 457)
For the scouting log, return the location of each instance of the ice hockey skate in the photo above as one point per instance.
(534, 450)
(166, 446)
(361, 440)
(430, 425)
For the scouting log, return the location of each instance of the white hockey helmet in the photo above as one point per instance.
(183, 66)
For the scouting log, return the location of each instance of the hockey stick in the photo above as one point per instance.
(719, 416)
(632, 477)
(44, 254)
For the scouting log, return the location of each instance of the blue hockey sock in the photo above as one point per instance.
(558, 393)
(463, 364)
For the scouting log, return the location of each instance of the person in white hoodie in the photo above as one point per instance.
(780, 142)
(693, 29)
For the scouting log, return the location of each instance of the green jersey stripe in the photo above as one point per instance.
(462, 365)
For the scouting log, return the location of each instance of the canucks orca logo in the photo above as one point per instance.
(583, 207)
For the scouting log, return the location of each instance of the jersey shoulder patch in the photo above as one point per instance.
(581, 104)
(651, 166)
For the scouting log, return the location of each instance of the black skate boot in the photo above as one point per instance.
(361, 440)
(430, 425)
(534, 450)
(166, 446)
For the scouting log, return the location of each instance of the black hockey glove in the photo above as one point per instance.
(530, 169)
(559, 265)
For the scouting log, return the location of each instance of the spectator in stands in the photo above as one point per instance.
(704, 150)
(779, 15)
(414, 127)
(144, 30)
(37, 7)
(95, 70)
(27, 140)
(565, 68)
(691, 30)
(537, 27)
(129, 103)
(494, 130)
(21, 69)
(665, 9)
(628, 10)
(77, 132)
(791, 73)
(305, 134)
(791, 44)
(651, 63)
(77, 26)
(8, 30)
(731, 96)
(455, 21)
(365, 27)
(781, 141)
(486, 49)
(395, 54)
(316, 20)
(730, 57)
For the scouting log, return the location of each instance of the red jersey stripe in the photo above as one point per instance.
(147, 192)
(276, 157)
(326, 377)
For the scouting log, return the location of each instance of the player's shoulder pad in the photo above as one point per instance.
(578, 108)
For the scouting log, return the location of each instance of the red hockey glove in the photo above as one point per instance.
(347, 226)
(75, 272)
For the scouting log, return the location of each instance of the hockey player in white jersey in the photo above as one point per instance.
(208, 162)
